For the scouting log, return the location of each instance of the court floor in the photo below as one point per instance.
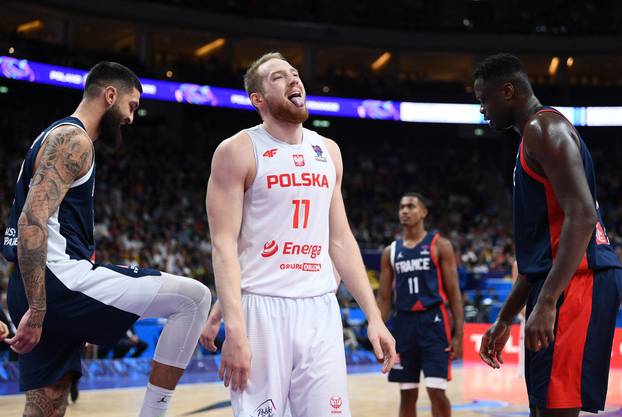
(475, 391)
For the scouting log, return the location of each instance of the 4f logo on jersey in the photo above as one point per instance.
(269, 153)
(318, 153)
(299, 160)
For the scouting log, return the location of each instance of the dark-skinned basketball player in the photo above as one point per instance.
(569, 274)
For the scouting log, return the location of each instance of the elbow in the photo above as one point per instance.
(590, 218)
(584, 219)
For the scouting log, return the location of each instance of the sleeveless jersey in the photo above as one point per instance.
(418, 284)
(70, 228)
(538, 220)
(283, 241)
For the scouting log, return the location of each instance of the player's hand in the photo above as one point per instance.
(383, 344)
(540, 325)
(28, 331)
(235, 361)
(455, 348)
(4, 331)
(493, 342)
(209, 333)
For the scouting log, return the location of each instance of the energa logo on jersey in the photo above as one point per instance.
(291, 248)
(269, 249)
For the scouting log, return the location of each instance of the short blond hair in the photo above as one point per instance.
(253, 82)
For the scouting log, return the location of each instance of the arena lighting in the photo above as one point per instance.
(11, 50)
(381, 61)
(553, 65)
(320, 123)
(30, 26)
(207, 49)
(570, 62)
(321, 106)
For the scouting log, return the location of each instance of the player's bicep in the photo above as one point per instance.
(449, 269)
(225, 194)
(555, 149)
(338, 220)
(386, 274)
(68, 154)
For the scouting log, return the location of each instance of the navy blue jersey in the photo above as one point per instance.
(538, 220)
(417, 284)
(70, 228)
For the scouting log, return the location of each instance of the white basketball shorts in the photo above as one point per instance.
(297, 355)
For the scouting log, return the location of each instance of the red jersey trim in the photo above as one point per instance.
(533, 174)
(564, 390)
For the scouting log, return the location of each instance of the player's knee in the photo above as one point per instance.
(409, 395)
(206, 302)
(437, 395)
(201, 297)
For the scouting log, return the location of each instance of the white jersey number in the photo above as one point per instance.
(413, 285)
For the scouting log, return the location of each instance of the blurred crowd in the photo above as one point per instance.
(150, 193)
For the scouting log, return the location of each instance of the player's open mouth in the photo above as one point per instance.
(296, 98)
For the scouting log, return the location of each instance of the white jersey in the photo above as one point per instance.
(283, 243)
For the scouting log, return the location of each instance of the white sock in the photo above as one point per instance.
(156, 401)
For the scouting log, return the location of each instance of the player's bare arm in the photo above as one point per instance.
(449, 274)
(4, 331)
(552, 149)
(211, 328)
(497, 335)
(386, 284)
(345, 253)
(232, 170)
(66, 156)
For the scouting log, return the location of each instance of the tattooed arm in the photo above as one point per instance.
(66, 155)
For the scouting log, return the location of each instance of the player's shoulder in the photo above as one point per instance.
(69, 134)
(330, 143)
(333, 149)
(68, 141)
(544, 124)
(387, 249)
(235, 146)
(442, 243)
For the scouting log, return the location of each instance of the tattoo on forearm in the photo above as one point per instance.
(63, 159)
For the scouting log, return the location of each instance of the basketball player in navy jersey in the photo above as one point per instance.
(58, 295)
(569, 275)
(418, 272)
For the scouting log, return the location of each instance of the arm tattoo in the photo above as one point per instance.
(64, 157)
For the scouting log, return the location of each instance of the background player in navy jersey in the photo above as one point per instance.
(59, 297)
(418, 275)
(569, 275)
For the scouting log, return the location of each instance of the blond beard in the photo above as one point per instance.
(282, 111)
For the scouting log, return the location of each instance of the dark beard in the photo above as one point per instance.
(282, 111)
(110, 127)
